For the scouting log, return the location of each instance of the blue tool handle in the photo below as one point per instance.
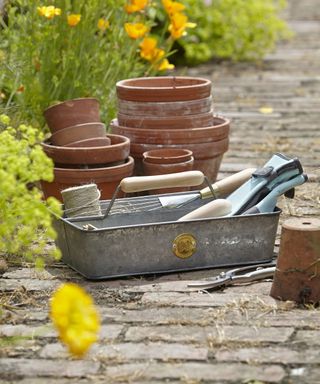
(269, 203)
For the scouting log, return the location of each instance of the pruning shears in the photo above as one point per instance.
(245, 274)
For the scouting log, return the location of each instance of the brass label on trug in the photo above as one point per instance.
(184, 245)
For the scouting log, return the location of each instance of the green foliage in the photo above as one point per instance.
(232, 29)
(45, 60)
(25, 220)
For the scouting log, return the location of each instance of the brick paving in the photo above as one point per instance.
(153, 330)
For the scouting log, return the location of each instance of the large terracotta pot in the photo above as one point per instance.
(72, 112)
(218, 131)
(165, 109)
(106, 178)
(165, 88)
(207, 155)
(171, 122)
(167, 160)
(118, 150)
(78, 132)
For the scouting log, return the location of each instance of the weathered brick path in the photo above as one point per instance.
(153, 330)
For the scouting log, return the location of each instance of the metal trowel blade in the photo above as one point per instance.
(176, 200)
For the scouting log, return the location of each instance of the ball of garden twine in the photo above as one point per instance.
(82, 200)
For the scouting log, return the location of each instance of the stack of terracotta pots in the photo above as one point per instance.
(82, 151)
(172, 112)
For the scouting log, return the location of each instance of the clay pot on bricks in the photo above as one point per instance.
(72, 112)
(163, 89)
(297, 275)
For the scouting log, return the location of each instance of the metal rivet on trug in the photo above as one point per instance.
(184, 245)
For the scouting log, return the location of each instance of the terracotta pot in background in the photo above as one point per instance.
(94, 142)
(165, 88)
(171, 122)
(165, 109)
(118, 150)
(167, 160)
(106, 178)
(72, 112)
(78, 132)
(207, 155)
(218, 131)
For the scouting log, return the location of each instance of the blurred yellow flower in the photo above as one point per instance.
(74, 19)
(103, 24)
(149, 50)
(49, 12)
(135, 5)
(74, 315)
(165, 65)
(136, 30)
(178, 25)
(172, 6)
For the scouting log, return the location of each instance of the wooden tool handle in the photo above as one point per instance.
(215, 208)
(227, 185)
(171, 180)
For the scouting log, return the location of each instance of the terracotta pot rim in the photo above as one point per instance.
(69, 101)
(126, 82)
(164, 118)
(150, 89)
(75, 173)
(78, 143)
(70, 134)
(169, 165)
(154, 155)
(225, 121)
(84, 149)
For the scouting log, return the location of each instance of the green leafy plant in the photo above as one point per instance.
(68, 49)
(25, 219)
(241, 30)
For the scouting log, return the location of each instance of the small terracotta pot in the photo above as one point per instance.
(297, 275)
(171, 122)
(94, 142)
(72, 112)
(207, 155)
(118, 150)
(78, 132)
(218, 131)
(106, 178)
(167, 160)
(165, 109)
(166, 88)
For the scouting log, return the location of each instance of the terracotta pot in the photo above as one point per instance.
(106, 178)
(72, 112)
(207, 155)
(167, 160)
(117, 151)
(94, 142)
(171, 122)
(297, 275)
(218, 131)
(166, 88)
(78, 132)
(165, 109)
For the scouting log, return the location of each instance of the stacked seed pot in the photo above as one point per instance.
(82, 151)
(172, 112)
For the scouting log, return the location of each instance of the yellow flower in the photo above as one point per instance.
(74, 315)
(135, 5)
(149, 50)
(103, 24)
(179, 23)
(136, 30)
(172, 6)
(74, 19)
(49, 12)
(165, 65)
